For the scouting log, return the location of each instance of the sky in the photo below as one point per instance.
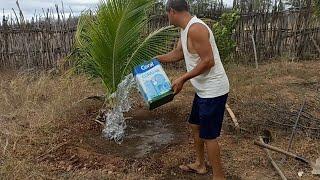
(31, 7)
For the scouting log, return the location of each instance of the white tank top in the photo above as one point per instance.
(212, 83)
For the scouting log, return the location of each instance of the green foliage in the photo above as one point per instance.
(112, 41)
(223, 33)
(317, 7)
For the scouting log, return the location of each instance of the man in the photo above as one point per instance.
(207, 75)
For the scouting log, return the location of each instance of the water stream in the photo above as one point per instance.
(115, 123)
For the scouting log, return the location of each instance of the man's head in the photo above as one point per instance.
(176, 9)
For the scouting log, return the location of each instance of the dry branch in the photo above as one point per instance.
(274, 164)
(233, 117)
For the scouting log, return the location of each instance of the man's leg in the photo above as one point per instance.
(199, 147)
(213, 149)
(211, 114)
(199, 164)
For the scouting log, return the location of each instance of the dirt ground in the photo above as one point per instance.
(47, 133)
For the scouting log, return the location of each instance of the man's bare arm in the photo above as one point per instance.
(199, 36)
(173, 56)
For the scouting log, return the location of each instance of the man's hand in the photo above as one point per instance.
(177, 85)
(173, 56)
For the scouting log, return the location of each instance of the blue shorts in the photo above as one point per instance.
(208, 114)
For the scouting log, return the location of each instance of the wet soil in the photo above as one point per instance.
(146, 133)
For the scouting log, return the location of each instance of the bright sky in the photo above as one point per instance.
(31, 7)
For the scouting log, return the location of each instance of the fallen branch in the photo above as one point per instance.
(98, 98)
(295, 125)
(96, 120)
(274, 164)
(39, 158)
(5, 146)
(315, 44)
(14, 145)
(299, 158)
(315, 166)
(233, 117)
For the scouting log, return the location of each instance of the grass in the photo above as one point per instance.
(32, 108)
(36, 109)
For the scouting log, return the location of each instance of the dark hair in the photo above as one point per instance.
(178, 5)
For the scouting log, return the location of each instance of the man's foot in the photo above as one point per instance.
(194, 168)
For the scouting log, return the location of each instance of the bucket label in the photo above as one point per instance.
(152, 80)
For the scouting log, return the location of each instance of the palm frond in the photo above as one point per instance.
(157, 42)
(111, 42)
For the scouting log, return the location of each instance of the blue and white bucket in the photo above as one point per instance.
(153, 83)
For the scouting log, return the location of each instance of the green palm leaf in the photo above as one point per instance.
(110, 42)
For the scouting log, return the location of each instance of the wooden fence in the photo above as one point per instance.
(44, 43)
(290, 34)
(39, 44)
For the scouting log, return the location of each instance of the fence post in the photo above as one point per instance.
(6, 41)
(255, 50)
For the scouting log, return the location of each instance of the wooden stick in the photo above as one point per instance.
(233, 117)
(295, 125)
(274, 164)
(315, 44)
(264, 145)
(5, 146)
(101, 123)
(255, 52)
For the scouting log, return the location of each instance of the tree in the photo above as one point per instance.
(111, 42)
(223, 30)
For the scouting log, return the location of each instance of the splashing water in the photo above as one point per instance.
(115, 121)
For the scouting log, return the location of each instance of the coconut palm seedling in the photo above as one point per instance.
(111, 41)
